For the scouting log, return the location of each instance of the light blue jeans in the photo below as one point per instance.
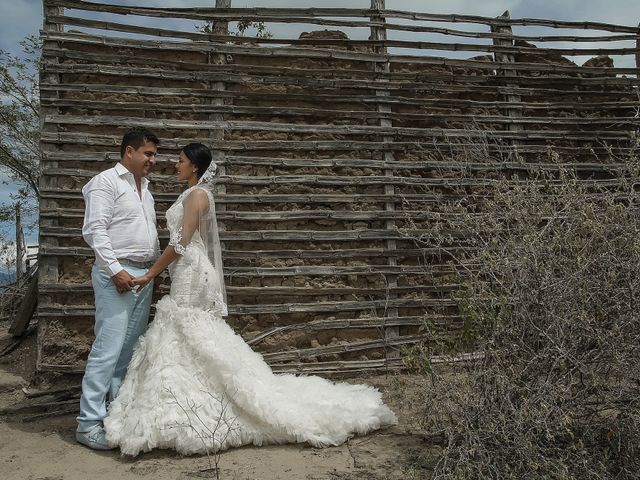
(120, 320)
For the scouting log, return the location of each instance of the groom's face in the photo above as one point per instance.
(140, 161)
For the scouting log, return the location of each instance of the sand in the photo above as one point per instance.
(45, 449)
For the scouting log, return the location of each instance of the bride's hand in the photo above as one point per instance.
(142, 281)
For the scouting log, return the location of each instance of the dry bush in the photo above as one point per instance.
(553, 306)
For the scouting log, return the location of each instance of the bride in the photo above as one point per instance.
(193, 384)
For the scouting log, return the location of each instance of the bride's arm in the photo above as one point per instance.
(196, 203)
(167, 257)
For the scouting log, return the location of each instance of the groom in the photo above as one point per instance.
(120, 227)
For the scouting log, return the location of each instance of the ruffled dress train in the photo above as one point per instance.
(195, 386)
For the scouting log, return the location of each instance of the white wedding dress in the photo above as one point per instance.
(194, 385)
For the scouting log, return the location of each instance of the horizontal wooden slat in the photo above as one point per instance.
(64, 288)
(77, 213)
(284, 216)
(342, 270)
(349, 367)
(345, 348)
(543, 96)
(479, 118)
(612, 109)
(258, 235)
(493, 161)
(588, 76)
(421, 164)
(390, 26)
(342, 306)
(339, 180)
(333, 129)
(347, 145)
(355, 323)
(364, 44)
(343, 367)
(446, 75)
(322, 368)
(363, 366)
(313, 253)
(284, 14)
(267, 199)
(315, 307)
(75, 194)
(317, 53)
(337, 324)
(243, 146)
(330, 270)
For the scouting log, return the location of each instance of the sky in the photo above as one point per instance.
(22, 17)
(19, 18)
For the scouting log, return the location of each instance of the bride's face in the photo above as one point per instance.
(185, 170)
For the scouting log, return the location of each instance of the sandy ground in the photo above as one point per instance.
(48, 452)
(45, 449)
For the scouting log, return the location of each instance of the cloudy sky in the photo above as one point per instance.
(19, 18)
(22, 17)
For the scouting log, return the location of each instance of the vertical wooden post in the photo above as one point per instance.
(638, 51)
(221, 27)
(20, 246)
(217, 134)
(380, 33)
(47, 266)
(507, 58)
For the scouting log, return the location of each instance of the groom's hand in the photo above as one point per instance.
(123, 281)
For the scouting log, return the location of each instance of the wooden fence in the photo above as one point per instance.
(331, 148)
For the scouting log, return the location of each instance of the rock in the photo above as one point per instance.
(599, 61)
(541, 56)
(333, 35)
(326, 222)
(10, 382)
(324, 35)
(482, 58)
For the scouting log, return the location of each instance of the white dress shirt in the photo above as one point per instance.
(119, 223)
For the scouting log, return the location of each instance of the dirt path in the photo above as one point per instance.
(46, 449)
(48, 452)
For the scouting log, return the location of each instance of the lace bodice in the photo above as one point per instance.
(174, 216)
(194, 280)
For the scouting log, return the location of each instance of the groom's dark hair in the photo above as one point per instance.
(136, 137)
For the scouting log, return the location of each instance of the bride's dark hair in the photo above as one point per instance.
(199, 155)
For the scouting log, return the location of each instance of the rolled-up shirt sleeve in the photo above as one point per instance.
(100, 197)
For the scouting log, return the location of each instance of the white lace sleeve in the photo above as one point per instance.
(174, 240)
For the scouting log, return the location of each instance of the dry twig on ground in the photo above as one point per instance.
(212, 435)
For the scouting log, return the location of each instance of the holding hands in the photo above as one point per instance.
(142, 281)
(123, 281)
